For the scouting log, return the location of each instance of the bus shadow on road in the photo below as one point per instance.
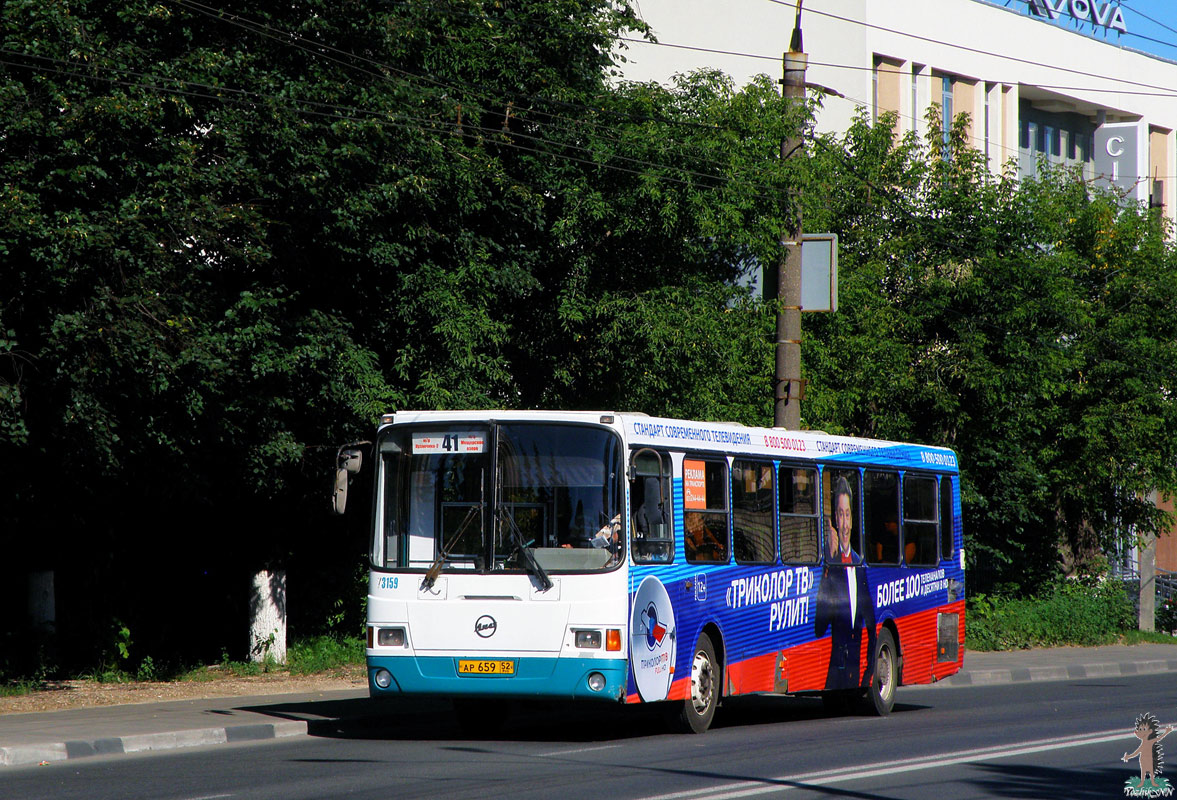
(420, 719)
(769, 710)
(1022, 780)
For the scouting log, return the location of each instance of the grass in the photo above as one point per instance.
(1148, 637)
(303, 657)
(20, 687)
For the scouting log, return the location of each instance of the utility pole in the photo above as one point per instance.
(789, 389)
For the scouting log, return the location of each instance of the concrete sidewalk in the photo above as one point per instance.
(28, 739)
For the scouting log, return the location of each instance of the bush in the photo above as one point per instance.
(1069, 613)
(323, 653)
(1166, 616)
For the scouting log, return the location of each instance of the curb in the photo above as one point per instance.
(25, 755)
(994, 677)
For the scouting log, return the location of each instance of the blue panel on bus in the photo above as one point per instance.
(903, 455)
(565, 678)
(758, 610)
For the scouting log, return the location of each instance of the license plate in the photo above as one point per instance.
(485, 667)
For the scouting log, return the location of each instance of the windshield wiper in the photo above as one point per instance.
(435, 568)
(524, 551)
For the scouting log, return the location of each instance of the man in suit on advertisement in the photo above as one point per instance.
(844, 606)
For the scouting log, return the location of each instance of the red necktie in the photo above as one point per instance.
(845, 558)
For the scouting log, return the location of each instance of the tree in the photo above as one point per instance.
(231, 241)
(1024, 323)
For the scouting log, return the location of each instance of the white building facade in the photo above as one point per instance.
(1032, 87)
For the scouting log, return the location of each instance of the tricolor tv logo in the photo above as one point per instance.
(655, 630)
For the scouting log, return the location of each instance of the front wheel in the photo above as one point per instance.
(886, 677)
(698, 710)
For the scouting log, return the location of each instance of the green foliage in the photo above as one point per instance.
(147, 671)
(1132, 637)
(1166, 615)
(18, 688)
(122, 641)
(1027, 323)
(1069, 613)
(323, 653)
(228, 251)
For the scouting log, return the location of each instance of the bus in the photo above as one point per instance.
(632, 559)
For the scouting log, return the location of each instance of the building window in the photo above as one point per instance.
(916, 69)
(946, 109)
(988, 89)
(874, 92)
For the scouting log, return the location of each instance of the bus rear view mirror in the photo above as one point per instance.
(347, 462)
(350, 460)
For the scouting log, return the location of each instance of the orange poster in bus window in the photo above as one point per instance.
(694, 484)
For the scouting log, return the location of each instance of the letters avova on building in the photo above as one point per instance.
(1103, 14)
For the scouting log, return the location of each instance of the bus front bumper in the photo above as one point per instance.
(556, 678)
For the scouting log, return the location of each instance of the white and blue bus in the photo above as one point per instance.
(633, 559)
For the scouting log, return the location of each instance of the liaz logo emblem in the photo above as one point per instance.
(485, 626)
(655, 630)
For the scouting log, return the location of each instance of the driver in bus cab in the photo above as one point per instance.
(609, 536)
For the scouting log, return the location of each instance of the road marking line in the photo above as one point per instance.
(786, 783)
(579, 750)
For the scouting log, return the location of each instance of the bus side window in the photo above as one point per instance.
(649, 497)
(797, 506)
(947, 519)
(752, 534)
(919, 519)
(705, 518)
(835, 482)
(881, 517)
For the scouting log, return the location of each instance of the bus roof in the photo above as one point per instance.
(727, 437)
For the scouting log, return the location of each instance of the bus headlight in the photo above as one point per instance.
(382, 678)
(596, 681)
(588, 639)
(391, 637)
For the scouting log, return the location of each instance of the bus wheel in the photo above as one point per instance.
(698, 710)
(882, 687)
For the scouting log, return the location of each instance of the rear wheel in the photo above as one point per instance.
(698, 710)
(886, 677)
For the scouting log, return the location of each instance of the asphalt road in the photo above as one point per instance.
(1036, 740)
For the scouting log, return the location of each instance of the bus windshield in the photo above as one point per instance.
(498, 497)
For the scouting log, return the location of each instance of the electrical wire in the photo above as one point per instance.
(287, 37)
(337, 112)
